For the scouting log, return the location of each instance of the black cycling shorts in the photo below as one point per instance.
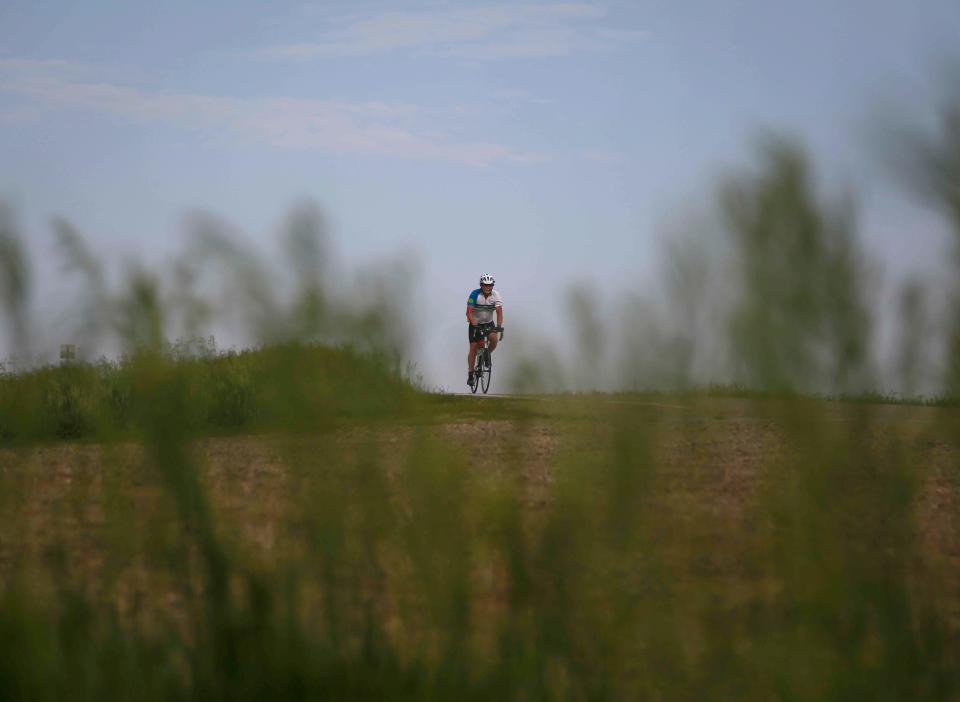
(473, 332)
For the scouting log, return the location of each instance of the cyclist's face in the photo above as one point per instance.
(486, 288)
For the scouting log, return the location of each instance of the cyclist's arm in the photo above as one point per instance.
(470, 316)
(499, 316)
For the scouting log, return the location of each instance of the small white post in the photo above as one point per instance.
(68, 354)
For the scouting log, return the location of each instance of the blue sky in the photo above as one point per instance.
(542, 141)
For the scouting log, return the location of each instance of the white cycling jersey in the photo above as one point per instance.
(484, 306)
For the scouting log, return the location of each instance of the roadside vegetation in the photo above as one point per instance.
(350, 536)
(233, 391)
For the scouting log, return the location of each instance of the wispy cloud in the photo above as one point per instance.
(19, 116)
(601, 156)
(518, 95)
(486, 33)
(16, 65)
(330, 126)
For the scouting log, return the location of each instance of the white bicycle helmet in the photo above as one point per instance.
(486, 279)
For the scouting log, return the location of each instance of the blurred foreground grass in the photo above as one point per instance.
(302, 522)
(581, 547)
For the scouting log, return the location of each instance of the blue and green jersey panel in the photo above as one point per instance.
(476, 300)
(484, 306)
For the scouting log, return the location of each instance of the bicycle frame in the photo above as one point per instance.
(483, 364)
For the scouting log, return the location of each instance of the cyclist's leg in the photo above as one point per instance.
(472, 356)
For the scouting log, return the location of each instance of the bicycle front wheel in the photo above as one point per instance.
(485, 374)
(477, 372)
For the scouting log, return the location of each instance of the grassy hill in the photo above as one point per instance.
(409, 546)
(272, 387)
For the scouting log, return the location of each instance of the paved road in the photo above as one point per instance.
(691, 412)
(543, 398)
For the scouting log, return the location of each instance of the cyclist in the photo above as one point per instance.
(481, 305)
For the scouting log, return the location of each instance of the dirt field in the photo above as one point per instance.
(713, 456)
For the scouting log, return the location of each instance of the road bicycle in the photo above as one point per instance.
(483, 365)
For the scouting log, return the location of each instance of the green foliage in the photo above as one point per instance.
(412, 571)
(605, 548)
(938, 157)
(801, 322)
(14, 278)
(227, 392)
